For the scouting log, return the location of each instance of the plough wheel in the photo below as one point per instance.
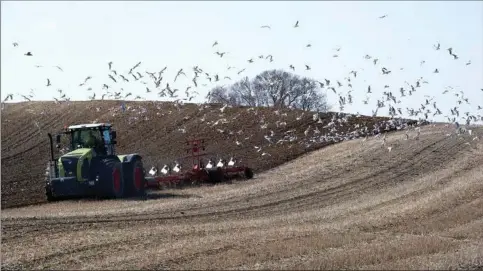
(248, 173)
(216, 176)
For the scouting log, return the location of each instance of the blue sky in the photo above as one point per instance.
(82, 37)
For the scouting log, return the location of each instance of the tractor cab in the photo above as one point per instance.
(97, 136)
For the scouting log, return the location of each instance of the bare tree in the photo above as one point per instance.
(219, 94)
(273, 88)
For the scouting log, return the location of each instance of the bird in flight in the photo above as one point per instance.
(28, 54)
(296, 24)
(15, 44)
(266, 26)
(383, 16)
(221, 54)
(113, 79)
(178, 74)
(9, 97)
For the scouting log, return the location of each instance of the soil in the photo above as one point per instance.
(393, 202)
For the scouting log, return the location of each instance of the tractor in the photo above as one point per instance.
(91, 167)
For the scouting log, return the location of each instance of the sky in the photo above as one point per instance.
(82, 37)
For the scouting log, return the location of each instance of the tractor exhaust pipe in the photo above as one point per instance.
(51, 147)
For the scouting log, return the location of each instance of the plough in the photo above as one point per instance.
(199, 172)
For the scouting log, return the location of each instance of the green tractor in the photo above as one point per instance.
(91, 168)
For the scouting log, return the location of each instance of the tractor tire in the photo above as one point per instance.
(248, 173)
(111, 178)
(134, 179)
(49, 195)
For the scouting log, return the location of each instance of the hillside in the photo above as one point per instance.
(353, 205)
(152, 129)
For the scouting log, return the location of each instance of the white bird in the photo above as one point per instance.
(223, 108)
(315, 116)
(307, 131)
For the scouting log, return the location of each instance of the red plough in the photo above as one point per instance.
(199, 172)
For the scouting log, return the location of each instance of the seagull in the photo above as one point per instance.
(178, 74)
(266, 26)
(296, 24)
(48, 82)
(112, 77)
(28, 54)
(221, 54)
(382, 17)
(9, 97)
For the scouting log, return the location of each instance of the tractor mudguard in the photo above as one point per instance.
(129, 157)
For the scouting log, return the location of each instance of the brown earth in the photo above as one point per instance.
(151, 129)
(352, 205)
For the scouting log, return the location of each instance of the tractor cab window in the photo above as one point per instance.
(107, 136)
(87, 139)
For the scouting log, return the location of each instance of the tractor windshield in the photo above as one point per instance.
(87, 138)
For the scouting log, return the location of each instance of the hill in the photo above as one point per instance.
(154, 129)
(353, 205)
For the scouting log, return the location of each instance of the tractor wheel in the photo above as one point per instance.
(248, 173)
(135, 182)
(49, 195)
(216, 176)
(111, 178)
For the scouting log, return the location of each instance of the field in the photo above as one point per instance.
(351, 205)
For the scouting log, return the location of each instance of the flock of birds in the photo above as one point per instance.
(390, 99)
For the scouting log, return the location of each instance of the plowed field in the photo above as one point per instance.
(154, 130)
(349, 205)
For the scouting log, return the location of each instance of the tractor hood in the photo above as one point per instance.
(71, 163)
(78, 152)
